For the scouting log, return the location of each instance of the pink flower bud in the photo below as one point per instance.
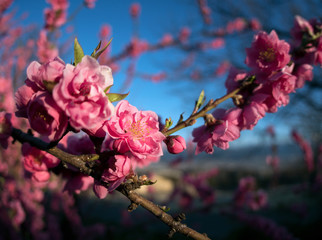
(175, 144)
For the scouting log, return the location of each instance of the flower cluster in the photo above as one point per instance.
(247, 195)
(273, 75)
(59, 97)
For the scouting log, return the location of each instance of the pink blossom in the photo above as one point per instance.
(255, 24)
(5, 128)
(217, 43)
(257, 200)
(78, 183)
(58, 4)
(46, 117)
(80, 145)
(23, 96)
(118, 168)
(175, 144)
(220, 133)
(318, 53)
(135, 131)
(267, 53)
(19, 213)
(301, 28)
(137, 47)
(222, 68)
(271, 131)
(37, 162)
(46, 50)
(306, 148)
(166, 40)
(49, 72)
(81, 93)
(135, 10)
(99, 190)
(184, 34)
(105, 31)
(303, 72)
(253, 111)
(89, 3)
(234, 79)
(54, 18)
(273, 161)
(239, 24)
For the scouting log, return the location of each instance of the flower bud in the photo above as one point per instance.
(175, 144)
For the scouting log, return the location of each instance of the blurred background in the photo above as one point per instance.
(164, 53)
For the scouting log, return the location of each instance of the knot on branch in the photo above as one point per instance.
(177, 225)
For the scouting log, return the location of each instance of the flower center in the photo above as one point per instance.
(85, 90)
(268, 55)
(39, 115)
(136, 130)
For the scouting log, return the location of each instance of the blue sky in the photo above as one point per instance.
(169, 98)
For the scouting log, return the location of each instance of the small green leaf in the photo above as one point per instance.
(168, 123)
(201, 99)
(96, 56)
(78, 52)
(108, 88)
(96, 49)
(114, 97)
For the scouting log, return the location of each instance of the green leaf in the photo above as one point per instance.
(78, 52)
(114, 97)
(108, 88)
(96, 49)
(168, 123)
(201, 99)
(96, 56)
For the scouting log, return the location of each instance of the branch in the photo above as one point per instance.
(82, 163)
(210, 105)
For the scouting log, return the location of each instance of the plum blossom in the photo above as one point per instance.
(119, 167)
(220, 133)
(267, 53)
(81, 93)
(135, 131)
(38, 162)
(46, 117)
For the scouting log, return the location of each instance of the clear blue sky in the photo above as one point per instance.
(168, 98)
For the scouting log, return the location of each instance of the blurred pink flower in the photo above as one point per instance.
(38, 162)
(46, 50)
(166, 40)
(301, 28)
(303, 72)
(5, 128)
(135, 10)
(184, 34)
(89, 3)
